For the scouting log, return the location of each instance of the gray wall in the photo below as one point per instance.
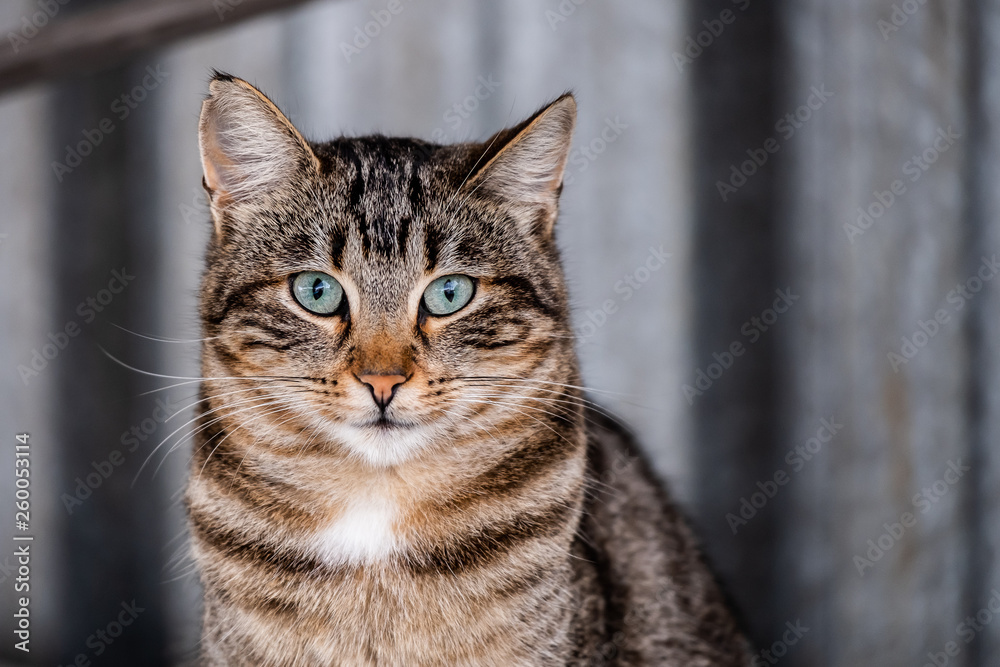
(136, 202)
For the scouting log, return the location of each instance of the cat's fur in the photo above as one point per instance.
(505, 522)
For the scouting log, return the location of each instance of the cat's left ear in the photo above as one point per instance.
(525, 164)
(248, 147)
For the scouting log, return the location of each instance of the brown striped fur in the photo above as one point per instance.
(488, 516)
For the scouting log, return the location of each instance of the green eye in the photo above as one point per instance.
(448, 294)
(317, 292)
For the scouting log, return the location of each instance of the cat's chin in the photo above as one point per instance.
(381, 442)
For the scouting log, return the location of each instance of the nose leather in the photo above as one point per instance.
(383, 387)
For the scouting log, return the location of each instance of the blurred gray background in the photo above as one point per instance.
(814, 369)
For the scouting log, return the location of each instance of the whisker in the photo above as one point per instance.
(184, 377)
(195, 432)
(574, 401)
(159, 339)
(254, 378)
(581, 399)
(254, 444)
(516, 407)
(268, 401)
(539, 381)
(242, 425)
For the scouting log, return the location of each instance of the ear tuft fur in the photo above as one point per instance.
(248, 147)
(528, 167)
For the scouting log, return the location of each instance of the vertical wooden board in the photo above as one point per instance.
(25, 229)
(984, 27)
(735, 279)
(862, 296)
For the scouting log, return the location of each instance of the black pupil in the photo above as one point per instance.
(449, 291)
(318, 288)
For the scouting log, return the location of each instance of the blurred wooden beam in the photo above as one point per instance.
(103, 37)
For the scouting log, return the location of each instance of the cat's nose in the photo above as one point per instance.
(383, 387)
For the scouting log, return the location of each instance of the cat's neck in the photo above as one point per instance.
(415, 562)
(345, 511)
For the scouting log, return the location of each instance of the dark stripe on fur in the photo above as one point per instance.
(279, 347)
(277, 332)
(432, 246)
(216, 312)
(614, 607)
(219, 460)
(402, 235)
(238, 546)
(485, 545)
(357, 188)
(529, 462)
(337, 243)
(521, 293)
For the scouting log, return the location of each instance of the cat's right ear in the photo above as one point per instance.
(248, 147)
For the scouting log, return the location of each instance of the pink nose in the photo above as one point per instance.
(383, 387)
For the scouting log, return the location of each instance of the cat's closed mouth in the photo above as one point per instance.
(385, 423)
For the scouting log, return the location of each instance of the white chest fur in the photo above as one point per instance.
(362, 533)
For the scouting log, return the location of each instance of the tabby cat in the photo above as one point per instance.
(395, 464)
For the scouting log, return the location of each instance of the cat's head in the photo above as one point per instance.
(382, 292)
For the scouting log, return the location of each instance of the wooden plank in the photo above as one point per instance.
(110, 541)
(114, 34)
(26, 259)
(904, 425)
(734, 75)
(983, 507)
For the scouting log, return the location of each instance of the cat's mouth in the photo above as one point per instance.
(382, 422)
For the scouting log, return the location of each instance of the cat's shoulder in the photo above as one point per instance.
(637, 548)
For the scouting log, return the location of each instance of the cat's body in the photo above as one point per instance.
(383, 478)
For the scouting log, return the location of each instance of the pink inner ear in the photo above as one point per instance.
(219, 168)
(212, 156)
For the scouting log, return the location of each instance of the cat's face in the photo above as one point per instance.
(381, 292)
